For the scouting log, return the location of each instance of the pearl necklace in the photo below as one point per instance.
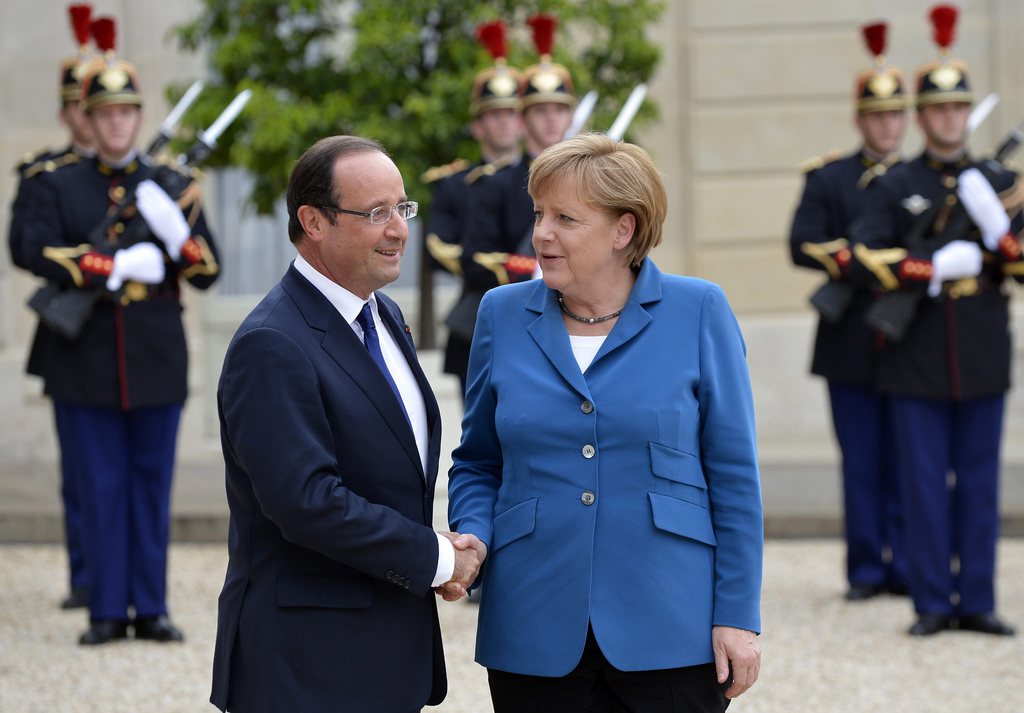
(586, 320)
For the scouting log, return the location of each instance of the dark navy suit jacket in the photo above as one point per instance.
(327, 603)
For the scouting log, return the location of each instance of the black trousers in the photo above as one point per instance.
(595, 686)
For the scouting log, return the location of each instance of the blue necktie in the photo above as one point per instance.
(372, 343)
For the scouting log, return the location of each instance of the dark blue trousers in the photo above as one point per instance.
(871, 497)
(125, 460)
(69, 487)
(950, 520)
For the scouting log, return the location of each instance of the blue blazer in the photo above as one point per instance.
(627, 497)
(327, 604)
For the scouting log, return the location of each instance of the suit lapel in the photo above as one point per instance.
(634, 317)
(549, 332)
(343, 346)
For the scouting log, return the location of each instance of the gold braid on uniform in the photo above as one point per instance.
(205, 262)
(1013, 198)
(489, 169)
(68, 259)
(51, 165)
(880, 263)
(495, 262)
(825, 254)
(813, 164)
(879, 169)
(436, 173)
(447, 254)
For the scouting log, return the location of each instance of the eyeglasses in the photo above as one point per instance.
(382, 213)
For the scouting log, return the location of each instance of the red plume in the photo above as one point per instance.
(943, 18)
(543, 27)
(874, 37)
(492, 36)
(103, 30)
(80, 16)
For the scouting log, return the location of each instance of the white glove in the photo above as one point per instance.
(984, 207)
(143, 263)
(958, 259)
(163, 216)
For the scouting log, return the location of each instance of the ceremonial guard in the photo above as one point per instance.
(497, 243)
(939, 235)
(845, 348)
(498, 129)
(80, 146)
(105, 234)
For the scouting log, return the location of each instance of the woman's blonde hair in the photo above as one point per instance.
(611, 175)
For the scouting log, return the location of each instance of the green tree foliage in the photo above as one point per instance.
(399, 71)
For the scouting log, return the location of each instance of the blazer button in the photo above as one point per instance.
(587, 498)
(586, 407)
(589, 451)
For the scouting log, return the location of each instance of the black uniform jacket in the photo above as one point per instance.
(500, 225)
(132, 351)
(483, 194)
(844, 351)
(447, 214)
(30, 168)
(958, 345)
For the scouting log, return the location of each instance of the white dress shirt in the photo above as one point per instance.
(349, 305)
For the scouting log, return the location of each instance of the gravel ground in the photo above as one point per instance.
(820, 652)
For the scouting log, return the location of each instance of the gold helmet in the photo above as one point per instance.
(881, 87)
(495, 87)
(109, 80)
(944, 80)
(545, 81)
(71, 70)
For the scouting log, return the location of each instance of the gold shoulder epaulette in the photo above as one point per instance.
(432, 175)
(489, 169)
(812, 164)
(51, 164)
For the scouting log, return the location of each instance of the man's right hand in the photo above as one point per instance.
(470, 553)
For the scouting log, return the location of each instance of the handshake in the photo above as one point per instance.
(470, 553)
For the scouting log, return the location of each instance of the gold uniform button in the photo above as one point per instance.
(949, 181)
(589, 451)
(118, 192)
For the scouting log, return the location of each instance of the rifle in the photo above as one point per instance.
(66, 310)
(893, 312)
(832, 299)
(166, 130)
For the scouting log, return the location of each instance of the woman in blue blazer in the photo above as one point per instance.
(608, 461)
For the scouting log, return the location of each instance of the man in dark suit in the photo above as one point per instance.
(331, 437)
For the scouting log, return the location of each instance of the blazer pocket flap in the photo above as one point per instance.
(329, 591)
(677, 465)
(518, 521)
(682, 518)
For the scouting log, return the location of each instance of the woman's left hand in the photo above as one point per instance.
(739, 648)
